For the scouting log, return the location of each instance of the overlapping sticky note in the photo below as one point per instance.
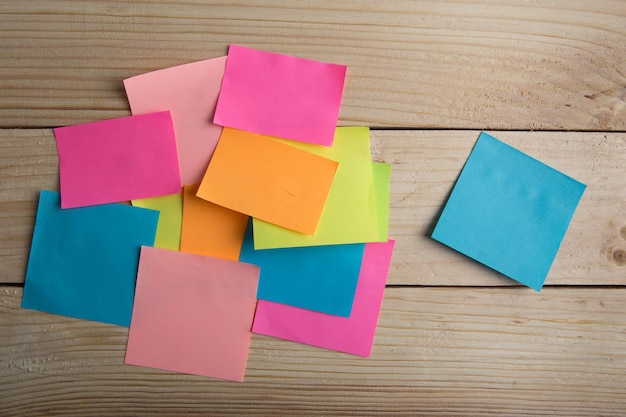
(509, 211)
(192, 314)
(209, 229)
(319, 278)
(117, 160)
(261, 177)
(83, 261)
(280, 95)
(353, 334)
(382, 185)
(190, 93)
(170, 208)
(349, 215)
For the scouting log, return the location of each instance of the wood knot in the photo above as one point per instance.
(622, 232)
(619, 255)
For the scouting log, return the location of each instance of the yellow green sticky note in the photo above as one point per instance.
(350, 212)
(382, 185)
(170, 221)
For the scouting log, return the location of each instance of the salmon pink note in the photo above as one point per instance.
(190, 93)
(192, 314)
(117, 160)
(280, 95)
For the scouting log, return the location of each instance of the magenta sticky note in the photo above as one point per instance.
(354, 334)
(190, 93)
(117, 160)
(192, 314)
(280, 95)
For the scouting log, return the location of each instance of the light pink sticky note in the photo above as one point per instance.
(353, 334)
(192, 314)
(280, 95)
(117, 160)
(190, 93)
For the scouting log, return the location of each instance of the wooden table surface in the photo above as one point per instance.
(454, 338)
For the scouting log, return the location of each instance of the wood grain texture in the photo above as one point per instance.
(425, 165)
(437, 352)
(513, 64)
(454, 338)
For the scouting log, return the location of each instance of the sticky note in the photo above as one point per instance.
(319, 278)
(192, 314)
(209, 229)
(509, 211)
(117, 160)
(261, 177)
(354, 334)
(382, 185)
(83, 261)
(350, 212)
(280, 95)
(170, 208)
(190, 93)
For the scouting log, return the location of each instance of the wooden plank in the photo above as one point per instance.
(427, 64)
(425, 165)
(506, 351)
(28, 163)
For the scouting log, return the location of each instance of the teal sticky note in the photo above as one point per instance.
(509, 211)
(83, 261)
(318, 278)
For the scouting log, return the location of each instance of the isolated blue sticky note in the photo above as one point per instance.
(318, 278)
(509, 211)
(83, 261)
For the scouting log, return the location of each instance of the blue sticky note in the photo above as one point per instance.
(83, 261)
(509, 211)
(318, 278)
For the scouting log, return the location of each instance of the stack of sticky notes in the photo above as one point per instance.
(250, 212)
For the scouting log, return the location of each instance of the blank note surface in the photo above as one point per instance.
(83, 261)
(117, 160)
(261, 177)
(189, 92)
(192, 314)
(280, 95)
(509, 211)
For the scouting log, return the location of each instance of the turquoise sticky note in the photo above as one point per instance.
(318, 278)
(83, 261)
(509, 211)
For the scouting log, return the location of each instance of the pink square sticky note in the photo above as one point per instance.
(190, 93)
(192, 314)
(353, 334)
(117, 160)
(280, 95)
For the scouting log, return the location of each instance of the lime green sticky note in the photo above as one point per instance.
(382, 185)
(349, 215)
(170, 220)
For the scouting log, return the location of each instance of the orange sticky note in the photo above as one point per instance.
(263, 178)
(209, 229)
